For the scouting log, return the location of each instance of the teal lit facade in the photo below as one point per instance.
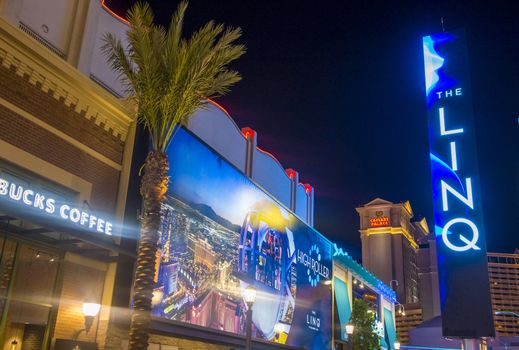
(351, 280)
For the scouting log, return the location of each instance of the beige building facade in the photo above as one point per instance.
(503, 271)
(401, 252)
(65, 151)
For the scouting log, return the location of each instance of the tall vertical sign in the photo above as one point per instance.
(458, 215)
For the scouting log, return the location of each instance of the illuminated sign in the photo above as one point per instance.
(458, 214)
(39, 202)
(379, 221)
(222, 233)
(312, 261)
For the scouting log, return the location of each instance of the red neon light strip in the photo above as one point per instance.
(110, 11)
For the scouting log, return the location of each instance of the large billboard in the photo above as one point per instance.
(219, 234)
(458, 214)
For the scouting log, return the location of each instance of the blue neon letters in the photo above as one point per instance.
(458, 215)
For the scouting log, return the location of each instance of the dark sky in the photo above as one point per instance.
(335, 90)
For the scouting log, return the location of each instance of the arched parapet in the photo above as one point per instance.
(305, 203)
(270, 174)
(215, 127)
(92, 62)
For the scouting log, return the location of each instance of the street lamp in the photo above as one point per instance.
(249, 295)
(401, 310)
(349, 329)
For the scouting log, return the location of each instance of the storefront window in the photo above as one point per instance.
(7, 255)
(29, 302)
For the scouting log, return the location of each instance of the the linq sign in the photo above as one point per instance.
(458, 215)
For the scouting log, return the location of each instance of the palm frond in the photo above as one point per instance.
(169, 76)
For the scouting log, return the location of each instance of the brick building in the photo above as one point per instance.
(65, 151)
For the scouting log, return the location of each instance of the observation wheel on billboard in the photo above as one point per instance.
(266, 259)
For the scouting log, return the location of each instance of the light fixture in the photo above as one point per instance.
(38, 255)
(90, 310)
(249, 295)
(401, 309)
(14, 344)
(361, 285)
(397, 345)
(349, 329)
(52, 259)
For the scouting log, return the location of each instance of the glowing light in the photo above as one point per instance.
(249, 294)
(91, 309)
(248, 133)
(433, 62)
(454, 158)
(469, 244)
(308, 188)
(379, 221)
(443, 131)
(48, 205)
(469, 200)
(349, 329)
(291, 173)
(110, 11)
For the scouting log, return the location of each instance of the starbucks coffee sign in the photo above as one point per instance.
(39, 203)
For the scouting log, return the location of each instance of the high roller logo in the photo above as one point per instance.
(312, 261)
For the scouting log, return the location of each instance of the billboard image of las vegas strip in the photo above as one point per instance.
(219, 234)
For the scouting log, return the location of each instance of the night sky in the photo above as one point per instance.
(335, 90)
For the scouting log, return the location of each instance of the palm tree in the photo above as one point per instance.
(169, 77)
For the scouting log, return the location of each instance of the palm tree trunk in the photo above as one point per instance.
(154, 185)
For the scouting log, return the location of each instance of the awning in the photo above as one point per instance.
(343, 304)
(389, 329)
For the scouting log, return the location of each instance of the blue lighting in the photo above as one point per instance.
(433, 62)
(458, 216)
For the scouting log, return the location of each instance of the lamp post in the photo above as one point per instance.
(249, 295)
(349, 332)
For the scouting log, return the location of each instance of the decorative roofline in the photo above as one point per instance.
(29, 58)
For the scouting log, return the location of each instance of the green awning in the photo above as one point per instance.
(389, 328)
(343, 304)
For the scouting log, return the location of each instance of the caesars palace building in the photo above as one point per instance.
(69, 208)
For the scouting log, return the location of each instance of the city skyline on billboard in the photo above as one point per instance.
(220, 233)
(458, 213)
